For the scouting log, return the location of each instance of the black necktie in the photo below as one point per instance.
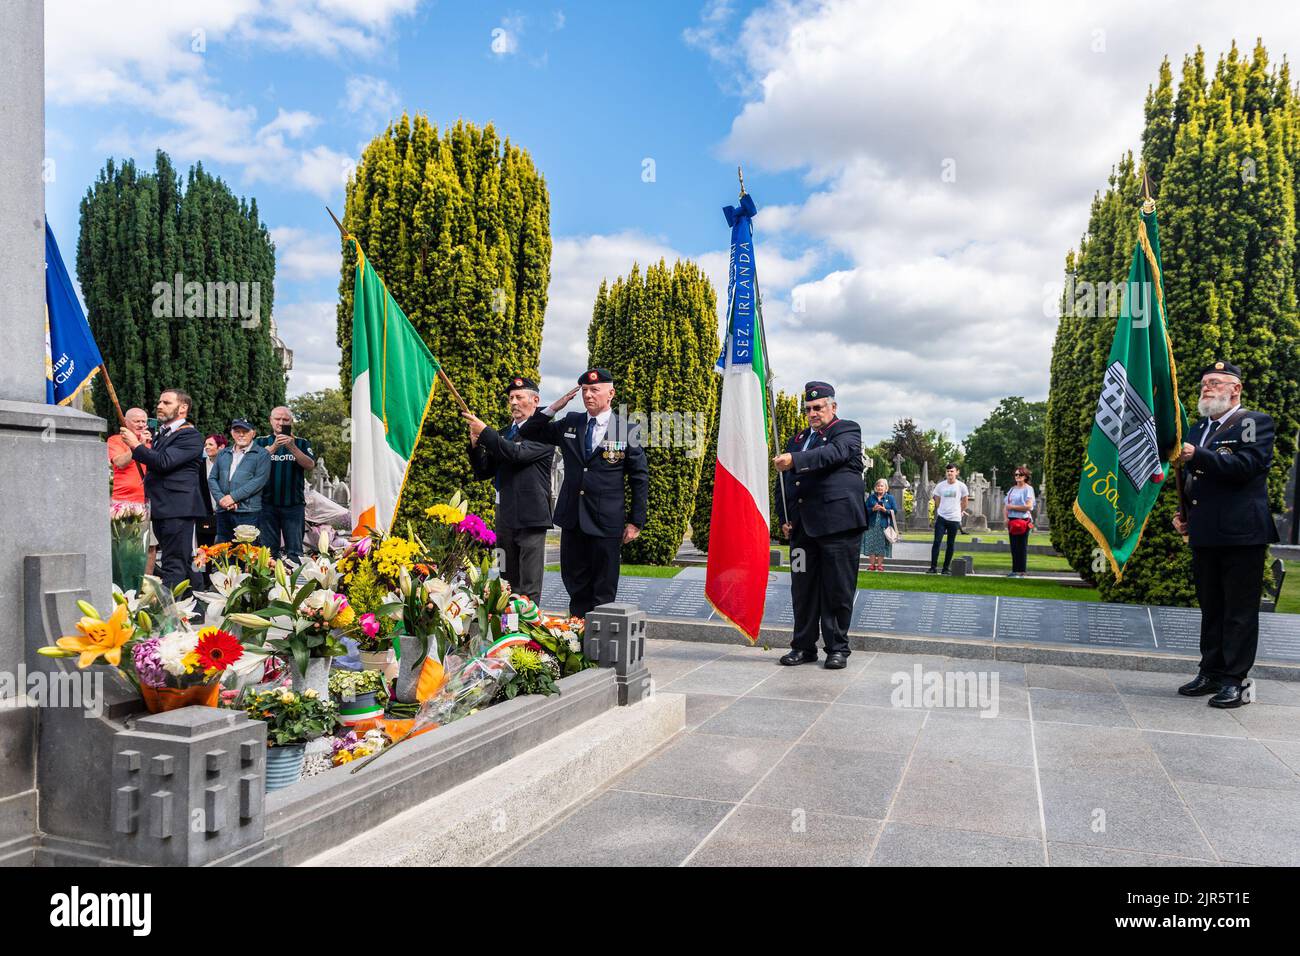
(591, 431)
(1208, 432)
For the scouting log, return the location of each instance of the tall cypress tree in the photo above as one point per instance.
(139, 231)
(658, 334)
(1227, 151)
(458, 226)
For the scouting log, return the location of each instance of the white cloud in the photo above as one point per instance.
(372, 100)
(935, 307)
(311, 330)
(152, 58)
(300, 254)
(557, 20)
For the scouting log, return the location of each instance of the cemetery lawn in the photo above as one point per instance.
(946, 584)
(1288, 601)
(638, 570)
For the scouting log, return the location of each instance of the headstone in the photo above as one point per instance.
(1041, 520)
(897, 485)
(978, 520)
(920, 519)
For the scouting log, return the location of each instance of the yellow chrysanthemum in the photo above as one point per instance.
(446, 514)
(100, 637)
(344, 618)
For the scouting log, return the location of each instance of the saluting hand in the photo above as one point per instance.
(559, 403)
(783, 461)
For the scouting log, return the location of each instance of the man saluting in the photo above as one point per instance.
(600, 459)
(822, 477)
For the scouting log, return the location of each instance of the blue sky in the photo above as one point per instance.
(902, 285)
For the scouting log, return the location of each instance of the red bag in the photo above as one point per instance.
(1019, 526)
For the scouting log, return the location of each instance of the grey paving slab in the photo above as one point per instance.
(769, 836)
(1269, 721)
(968, 795)
(1111, 751)
(1073, 854)
(866, 729)
(1288, 751)
(721, 677)
(1149, 683)
(1138, 813)
(685, 651)
(700, 707)
(1184, 715)
(766, 718)
(1230, 761)
(872, 688)
(704, 766)
(979, 690)
(807, 682)
(906, 662)
(1248, 825)
(1010, 673)
(1057, 677)
(1078, 707)
(904, 844)
(624, 829)
(831, 780)
(960, 736)
(1284, 692)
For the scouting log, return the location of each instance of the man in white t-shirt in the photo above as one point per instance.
(950, 497)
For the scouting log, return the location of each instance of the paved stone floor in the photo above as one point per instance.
(804, 766)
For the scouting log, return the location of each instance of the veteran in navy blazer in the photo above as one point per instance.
(823, 512)
(604, 467)
(173, 483)
(521, 472)
(1225, 514)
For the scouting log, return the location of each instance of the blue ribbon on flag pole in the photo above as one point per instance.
(741, 285)
(73, 355)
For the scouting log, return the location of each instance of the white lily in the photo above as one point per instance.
(456, 606)
(320, 570)
(225, 582)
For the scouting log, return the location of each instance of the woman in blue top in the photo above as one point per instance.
(880, 515)
(1020, 517)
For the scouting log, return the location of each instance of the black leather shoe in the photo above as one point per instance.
(836, 660)
(1201, 686)
(795, 658)
(931, 570)
(1228, 696)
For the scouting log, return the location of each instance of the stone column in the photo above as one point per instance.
(977, 520)
(920, 519)
(1041, 521)
(615, 637)
(897, 485)
(53, 466)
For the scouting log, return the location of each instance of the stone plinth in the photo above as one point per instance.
(615, 637)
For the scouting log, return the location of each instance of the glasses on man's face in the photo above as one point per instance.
(1216, 383)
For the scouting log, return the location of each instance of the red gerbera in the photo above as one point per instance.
(218, 649)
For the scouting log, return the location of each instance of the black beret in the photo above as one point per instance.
(1226, 368)
(518, 381)
(594, 376)
(815, 390)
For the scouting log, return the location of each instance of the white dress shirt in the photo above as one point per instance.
(1217, 422)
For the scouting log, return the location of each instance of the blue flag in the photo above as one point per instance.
(71, 356)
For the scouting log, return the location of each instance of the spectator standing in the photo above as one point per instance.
(880, 515)
(128, 475)
(1020, 521)
(951, 498)
(205, 533)
(284, 500)
(240, 474)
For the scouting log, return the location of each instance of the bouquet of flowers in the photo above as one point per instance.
(349, 747)
(535, 672)
(561, 637)
(457, 537)
(243, 575)
(435, 611)
(126, 523)
(290, 718)
(370, 569)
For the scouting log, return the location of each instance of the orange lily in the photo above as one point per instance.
(100, 637)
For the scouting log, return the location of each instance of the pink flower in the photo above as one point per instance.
(369, 624)
(363, 546)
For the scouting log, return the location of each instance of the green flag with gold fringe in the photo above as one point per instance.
(1138, 430)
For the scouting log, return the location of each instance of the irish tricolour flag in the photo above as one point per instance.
(736, 579)
(393, 374)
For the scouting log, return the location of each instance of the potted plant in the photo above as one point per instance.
(292, 720)
(359, 695)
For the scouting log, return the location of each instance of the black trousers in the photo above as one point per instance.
(589, 569)
(822, 588)
(175, 549)
(1229, 582)
(524, 550)
(1019, 552)
(943, 526)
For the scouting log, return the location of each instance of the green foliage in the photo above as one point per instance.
(1011, 436)
(349, 685)
(916, 448)
(658, 335)
(1223, 154)
(458, 227)
(139, 230)
(702, 513)
(321, 418)
(534, 673)
(290, 718)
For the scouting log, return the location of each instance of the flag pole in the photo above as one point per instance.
(442, 374)
(767, 356)
(112, 393)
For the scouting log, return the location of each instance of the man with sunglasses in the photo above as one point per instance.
(821, 470)
(1225, 515)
